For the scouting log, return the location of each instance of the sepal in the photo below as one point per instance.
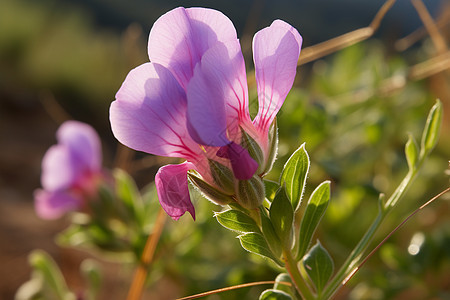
(211, 193)
(250, 193)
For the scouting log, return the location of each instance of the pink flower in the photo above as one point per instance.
(70, 170)
(191, 100)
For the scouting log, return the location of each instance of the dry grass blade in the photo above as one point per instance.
(53, 108)
(409, 40)
(430, 67)
(235, 287)
(436, 37)
(317, 51)
(332, 45)
(314, 52)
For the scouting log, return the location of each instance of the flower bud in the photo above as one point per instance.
(210, 192)
(250, 193)
(223, 177)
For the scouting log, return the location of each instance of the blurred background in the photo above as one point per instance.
(66, 59)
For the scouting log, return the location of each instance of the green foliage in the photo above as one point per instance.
(271, 188)
(355, 135)
(282, 217)
(237, 221)
(274, 295)
(47, 281)
(294, 175)
(256, 243)
(432, 128)
(280, 285)
(319, 266)
(411, 152)
(119, 224)
(315, 209)
(270, 233)
(91, 273)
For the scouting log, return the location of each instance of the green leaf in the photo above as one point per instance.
(411, 152)
(237, 221)
(315, 209)
(128, 193)
(294, 175)
(319, 266)
(430, 134)
(283, 277)
(126, 188)
(274, 295)
(270, 234)
(255, 243)
(73, 236)
(42, 263)
(271, 188)
(90, 270)
(282, 216)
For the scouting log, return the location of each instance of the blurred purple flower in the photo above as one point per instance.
(71, 171)
(191, 100)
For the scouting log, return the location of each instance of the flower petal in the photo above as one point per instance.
(52, 205)
(275, 52)
(173, 192)
(244, 166)
(83, 142)
(217, 95)
(179, 38)
(149, 114)
(59, 168)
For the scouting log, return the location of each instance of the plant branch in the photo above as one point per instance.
(297, 279)
(137, 285)
(235, 287)
(392, 232)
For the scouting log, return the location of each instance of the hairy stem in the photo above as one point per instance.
(297, 279)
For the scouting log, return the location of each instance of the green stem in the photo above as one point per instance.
(351, 265)
(297, 279)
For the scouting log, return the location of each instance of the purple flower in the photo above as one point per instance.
(191, 100)
(71, 171)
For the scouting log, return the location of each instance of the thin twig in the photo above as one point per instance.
(235, 287)
(140, 275)
(332, 45)
(409, 40)
(391, 233)
(53, 108)
(430, 67)
(436, 37)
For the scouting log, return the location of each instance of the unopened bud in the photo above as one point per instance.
(210, 192)
(222, 176)
(250, 193)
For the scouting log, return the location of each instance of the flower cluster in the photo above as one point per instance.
(71, 171)
(191, 101)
